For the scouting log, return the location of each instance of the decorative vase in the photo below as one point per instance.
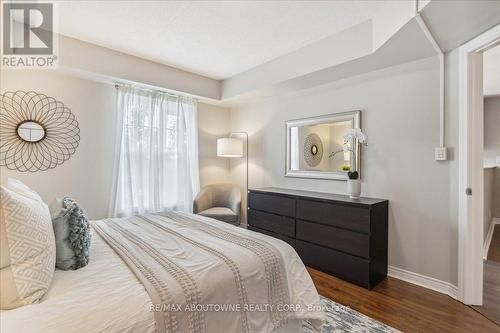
(354, 188)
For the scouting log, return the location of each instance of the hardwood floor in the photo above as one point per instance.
(491, 280)
(404, 306)
(491, 291)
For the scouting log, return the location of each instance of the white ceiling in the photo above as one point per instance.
(217, 39)
(491, 69)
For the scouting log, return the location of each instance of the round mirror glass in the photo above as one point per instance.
(31, 131)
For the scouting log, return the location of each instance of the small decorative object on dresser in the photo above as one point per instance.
(353, 185)
(332, 233)
(353, 139)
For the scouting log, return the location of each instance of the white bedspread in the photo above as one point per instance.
(106, 296)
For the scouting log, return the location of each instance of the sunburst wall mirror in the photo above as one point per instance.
(37, 132)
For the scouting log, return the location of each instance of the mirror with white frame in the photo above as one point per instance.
(316, 147)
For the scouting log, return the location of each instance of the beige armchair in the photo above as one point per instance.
(219, 201)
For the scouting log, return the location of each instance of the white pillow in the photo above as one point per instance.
(20, 188)
(27, 249)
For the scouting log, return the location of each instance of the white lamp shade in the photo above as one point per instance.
(229, 147)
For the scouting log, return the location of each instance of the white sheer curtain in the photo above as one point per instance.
(156, 164)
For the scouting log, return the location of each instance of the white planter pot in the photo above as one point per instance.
(354, 188)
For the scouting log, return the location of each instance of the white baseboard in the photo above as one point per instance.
(487, 241)
(424, 281)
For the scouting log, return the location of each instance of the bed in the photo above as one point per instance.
(176, 272)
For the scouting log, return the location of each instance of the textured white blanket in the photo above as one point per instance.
(203, 275)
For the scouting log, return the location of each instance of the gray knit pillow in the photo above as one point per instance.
(72, 233)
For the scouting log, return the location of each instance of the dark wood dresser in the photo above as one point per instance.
(332, 233)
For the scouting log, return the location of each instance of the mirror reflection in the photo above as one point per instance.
(31, 131)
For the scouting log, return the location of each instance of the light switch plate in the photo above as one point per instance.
(440, 154)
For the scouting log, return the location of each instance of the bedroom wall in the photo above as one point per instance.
(489, 179)
(86, 176)
(495, 196)
(491, 129)
(491, 150)
(213, 123)
(400, 116)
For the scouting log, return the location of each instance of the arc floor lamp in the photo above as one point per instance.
(233, 147)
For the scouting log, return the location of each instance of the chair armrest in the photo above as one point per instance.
(202, 201)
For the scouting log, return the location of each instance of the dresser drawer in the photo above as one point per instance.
(272, 204)
(344, 266)
(347, 241)
(276, 223)
(286, 239)
(348, 217)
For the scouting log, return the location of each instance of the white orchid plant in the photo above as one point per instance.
(358, 137)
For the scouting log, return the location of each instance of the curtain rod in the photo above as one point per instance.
(118, 85)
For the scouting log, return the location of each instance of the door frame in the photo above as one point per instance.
(470, 159)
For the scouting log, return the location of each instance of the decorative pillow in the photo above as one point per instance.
(27, 249)
(55, 208)
(72, 234)
(19, 187)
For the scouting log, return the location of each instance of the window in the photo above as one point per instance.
(156, 165)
